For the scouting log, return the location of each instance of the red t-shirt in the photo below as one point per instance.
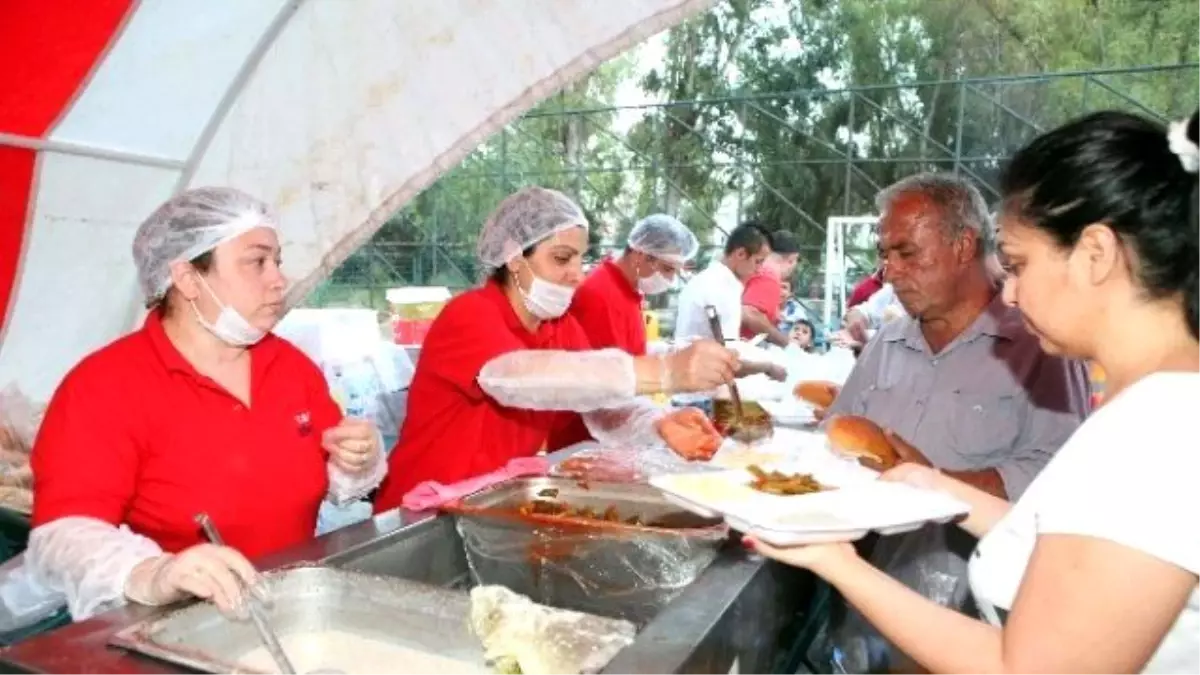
(609, 309)
(136, 435)
(764, 292)
(453, 430)
(864, 290)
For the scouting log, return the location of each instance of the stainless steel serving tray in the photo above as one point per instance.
(629, 499)
(609, 569)
(403, 614)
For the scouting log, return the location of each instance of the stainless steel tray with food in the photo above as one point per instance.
(612, 549)
(327, 620)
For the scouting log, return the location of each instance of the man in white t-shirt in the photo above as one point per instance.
(721, 285)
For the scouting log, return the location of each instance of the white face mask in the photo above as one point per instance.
(230, 327)
(654, 284)
(546, 300)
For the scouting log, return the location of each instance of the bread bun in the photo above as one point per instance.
(862, 439)
(819, 393)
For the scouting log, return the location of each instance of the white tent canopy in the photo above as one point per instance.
(337, 112)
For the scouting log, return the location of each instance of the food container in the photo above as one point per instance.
(413, 310)
(855, 503)
(754, 425)
(612, 569)
(382, 625)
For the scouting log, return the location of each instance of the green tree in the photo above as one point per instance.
(759, 118)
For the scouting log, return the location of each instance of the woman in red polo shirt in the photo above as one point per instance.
(504, 363)
(202, 410)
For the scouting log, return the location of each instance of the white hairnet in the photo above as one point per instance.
(523, 219)
(188, 225)
(665, 238)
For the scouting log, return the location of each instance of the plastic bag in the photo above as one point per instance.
(332, 516)
(519, 635)
(933, 562)
(393, 401)
(20, 420)
(367, 375)
(606, 568)
(24, 602)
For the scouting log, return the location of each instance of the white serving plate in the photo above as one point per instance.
(859, 504)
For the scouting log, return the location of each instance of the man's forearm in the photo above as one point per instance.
(988, 480)
(758, 322)
(748, 368)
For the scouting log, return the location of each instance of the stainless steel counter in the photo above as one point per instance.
(83, 647)
(740, 615)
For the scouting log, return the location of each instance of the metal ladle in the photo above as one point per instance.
(257, 614)
(714, 322)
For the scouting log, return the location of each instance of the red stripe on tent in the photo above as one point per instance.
(16, 179)
(48, 47)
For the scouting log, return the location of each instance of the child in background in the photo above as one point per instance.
(801, 335)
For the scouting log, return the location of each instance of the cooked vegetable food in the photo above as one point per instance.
(784, 484)
(754, 424)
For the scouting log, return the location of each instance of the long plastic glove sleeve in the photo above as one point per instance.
(347, 487)
(86, 559)
(560, 380)
(632, 423)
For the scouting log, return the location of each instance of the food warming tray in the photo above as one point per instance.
(425, 626)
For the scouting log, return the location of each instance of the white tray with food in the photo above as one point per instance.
(748, 490)
(847, 514)
(815, 496)
(824, 505)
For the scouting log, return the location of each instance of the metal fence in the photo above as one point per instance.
(787, 157)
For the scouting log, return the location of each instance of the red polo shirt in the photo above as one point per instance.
(764, 292)
(136, 435)
(453, 430)
(864, 290)
(609, 309)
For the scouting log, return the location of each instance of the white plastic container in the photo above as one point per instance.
(858, 503)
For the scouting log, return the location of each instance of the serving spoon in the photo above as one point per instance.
(261, 625)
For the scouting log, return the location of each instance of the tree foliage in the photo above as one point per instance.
(791, 112)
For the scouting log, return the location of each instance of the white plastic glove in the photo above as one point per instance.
(356, 464)
(631, 424)
(703, 365)
(353, 445)
(599, 380)
(205, 571)
(87, 560)
(560, 380)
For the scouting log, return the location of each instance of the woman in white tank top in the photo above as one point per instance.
(1095, 568)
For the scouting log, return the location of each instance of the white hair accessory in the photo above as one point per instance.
(1183, 147)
